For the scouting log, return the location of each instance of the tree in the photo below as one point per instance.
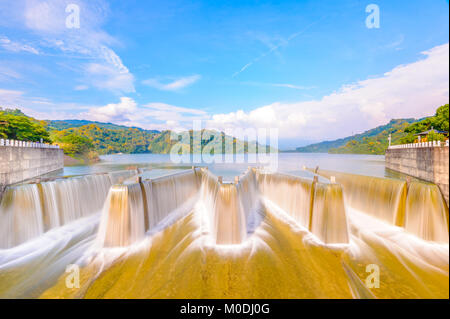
(433, 136)
(20, 127)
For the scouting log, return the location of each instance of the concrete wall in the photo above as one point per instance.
(427, 163)
(21, 163)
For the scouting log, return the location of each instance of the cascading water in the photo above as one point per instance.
(279, 259)
(292, 194)
(132, 209)
(426, 214)
(21, 216)
(28, 210)
(164, 194)
(329, 221)
(380, 197)
(418, 206)
(317, 207)
(123, 219)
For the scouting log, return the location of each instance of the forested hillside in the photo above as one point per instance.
(375, 141)
(86, 140)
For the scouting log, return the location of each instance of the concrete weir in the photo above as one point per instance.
(132, 209)
(21, 163)
(426, 163)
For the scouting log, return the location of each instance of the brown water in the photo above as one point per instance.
(267, 235)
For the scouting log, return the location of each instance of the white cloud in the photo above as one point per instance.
(47, 20)
(6, 74)
(174, 85)
(274, 48)
(117, 113)
(38, 107)
(411, 90)
(150, 116)
(108, 77)
(9, 98)
(283, 85)
(81, 87)
(15, 46)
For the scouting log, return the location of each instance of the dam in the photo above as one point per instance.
(21, 160)
(428, 161)
(189, 234)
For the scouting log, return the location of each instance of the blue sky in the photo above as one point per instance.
(310, 68)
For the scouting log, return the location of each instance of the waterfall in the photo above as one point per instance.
(132, 209)
(426, 214)
(418, 206)
(21, 215)
(29, 210)
(383, 198)
(164, 194)
(75, 197)
(316, 206)
(229, 206)
(292, 194)
(329, 221)
(123, 218)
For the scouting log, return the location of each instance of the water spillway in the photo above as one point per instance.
(228, 206)
(29, 210)
(132, 209)
(426, 213)
(190, 235)
(21, 215)
(316, 206)
(416, 206)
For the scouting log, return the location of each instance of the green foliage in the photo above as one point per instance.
(133, 140)
(72, 143)
(373, 141)
(433, 136)
(16, 125)
(87, 139)
(58, 125)
(439, 121)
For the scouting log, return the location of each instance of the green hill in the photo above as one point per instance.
(58, 125)
(375, 141)
(85, 140)
(370, 142)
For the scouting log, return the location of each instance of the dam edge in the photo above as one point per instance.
(18, 164)
(427, 163)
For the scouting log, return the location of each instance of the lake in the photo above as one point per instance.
(291, 163)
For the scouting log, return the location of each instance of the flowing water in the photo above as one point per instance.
(178, 232)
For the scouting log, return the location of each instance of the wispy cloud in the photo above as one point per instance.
(45, 20)
(81, 87)
(283, 85)
(174, 84)
(15, 46)
(274, 48)
(410, 90)
(151, 115)
(397, 43)
(38, 107)
(6, 74)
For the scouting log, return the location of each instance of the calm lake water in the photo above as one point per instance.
(291, 163)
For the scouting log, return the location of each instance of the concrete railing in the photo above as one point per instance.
(420, 145)
(15, 143)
